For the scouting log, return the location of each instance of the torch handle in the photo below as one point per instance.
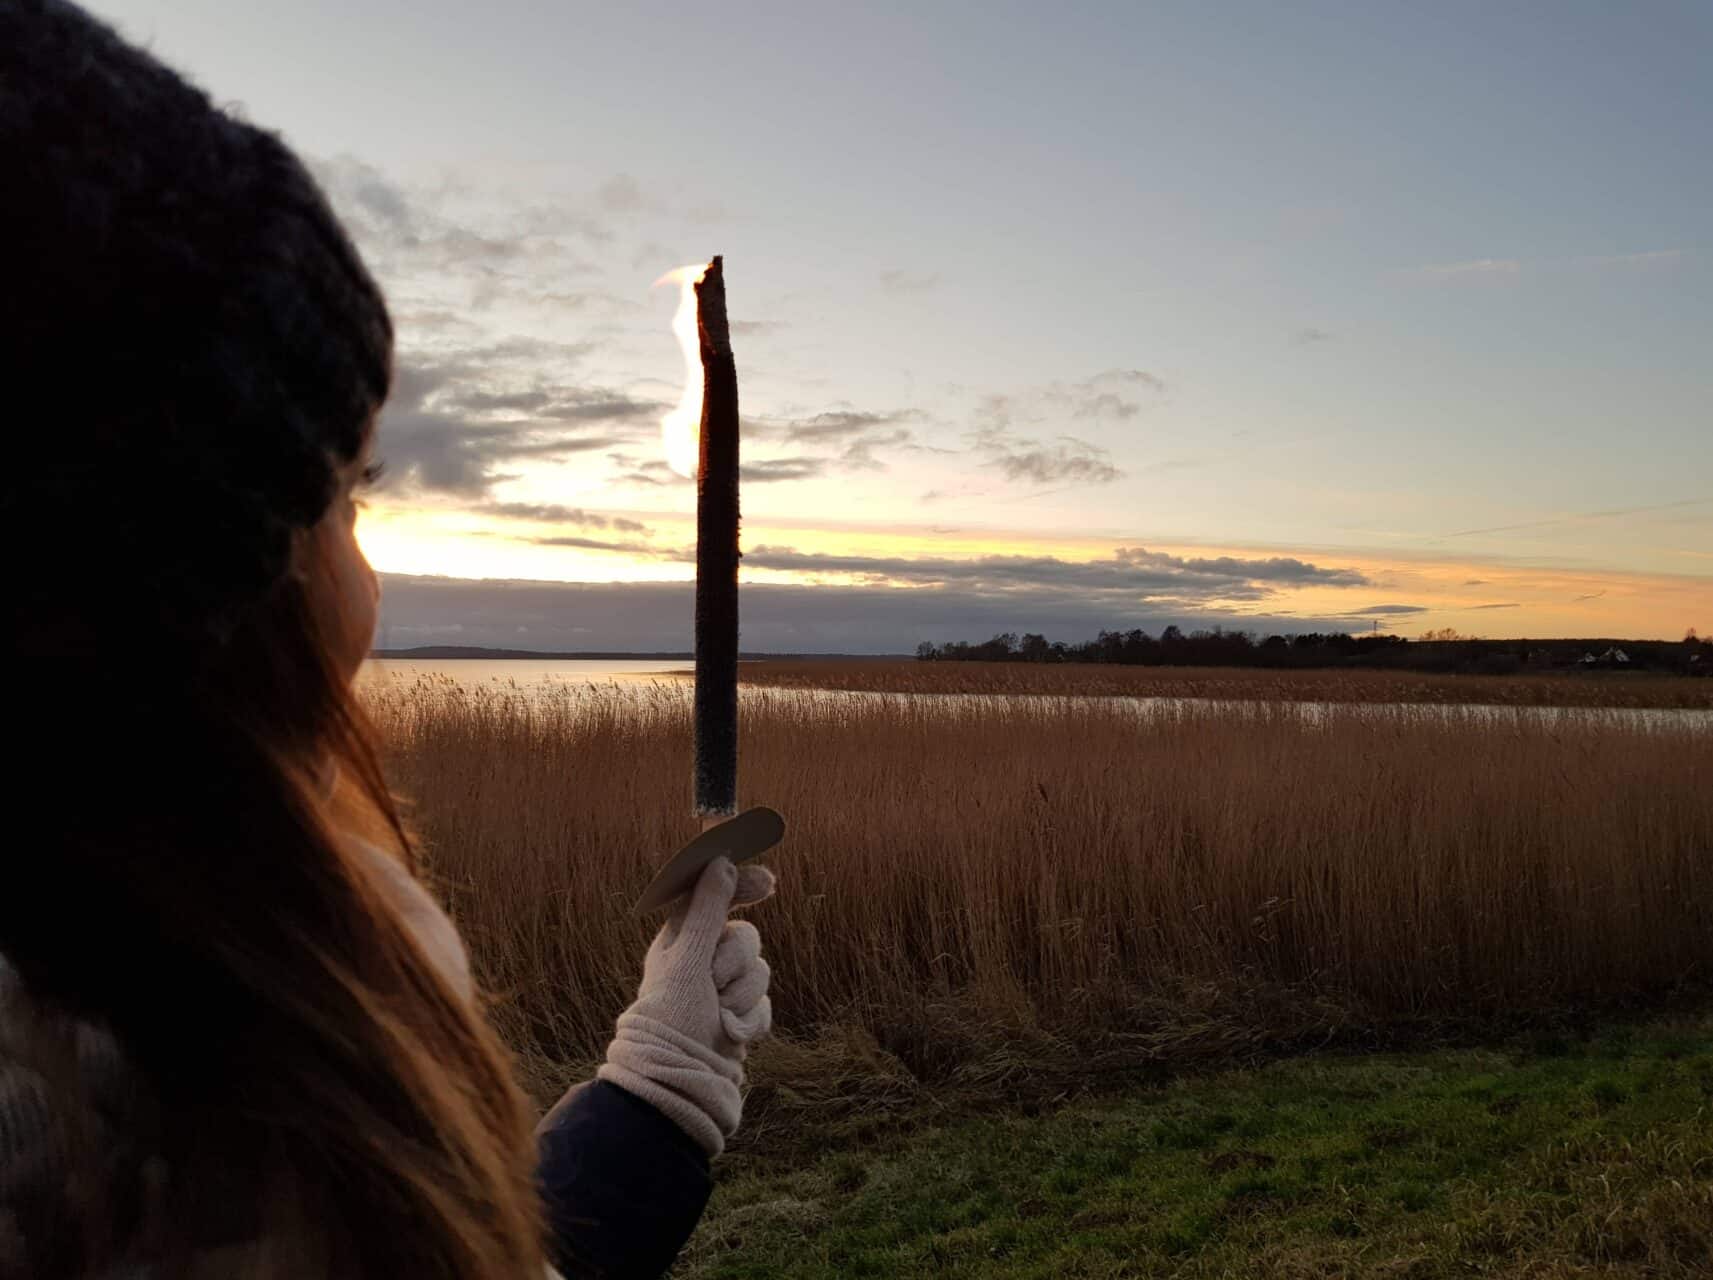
(716, 701)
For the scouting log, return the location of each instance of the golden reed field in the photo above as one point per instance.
(976, 891)
(1558, 689)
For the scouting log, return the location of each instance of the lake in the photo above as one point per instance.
(477, 672)
(558, 676)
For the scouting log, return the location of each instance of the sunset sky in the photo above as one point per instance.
(1047, 317)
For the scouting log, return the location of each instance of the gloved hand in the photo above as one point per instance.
(703, 1001)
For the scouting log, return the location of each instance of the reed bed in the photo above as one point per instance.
(1561, 689)
(980, 889)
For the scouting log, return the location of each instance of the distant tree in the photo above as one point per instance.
(1002, 648)
(1441, 650)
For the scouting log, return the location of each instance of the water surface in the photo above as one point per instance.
(526, 672)
(560, 676)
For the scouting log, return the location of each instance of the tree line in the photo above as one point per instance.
(1443, 650)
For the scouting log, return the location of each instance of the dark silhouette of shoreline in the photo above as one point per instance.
(1443, 653)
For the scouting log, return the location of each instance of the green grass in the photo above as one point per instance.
(1548, 1157)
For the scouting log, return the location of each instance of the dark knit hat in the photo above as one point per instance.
(190, 346)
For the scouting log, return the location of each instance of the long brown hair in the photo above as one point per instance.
(195, 353)
(315, 1082)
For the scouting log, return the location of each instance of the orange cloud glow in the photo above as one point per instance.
(1402, 592)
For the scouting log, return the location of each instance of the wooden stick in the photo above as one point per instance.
(716, 705)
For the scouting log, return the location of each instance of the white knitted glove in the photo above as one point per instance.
(703, 1000)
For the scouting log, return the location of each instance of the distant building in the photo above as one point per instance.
(1613, 657)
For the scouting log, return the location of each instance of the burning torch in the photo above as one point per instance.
(709, 408)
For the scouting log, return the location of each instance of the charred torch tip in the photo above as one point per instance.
(711, 308)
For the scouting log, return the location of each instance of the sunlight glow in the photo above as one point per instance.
(1477, 595)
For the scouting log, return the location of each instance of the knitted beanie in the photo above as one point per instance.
(190, 347)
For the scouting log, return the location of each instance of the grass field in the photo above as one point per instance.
(1547, 1157)
(893, 675)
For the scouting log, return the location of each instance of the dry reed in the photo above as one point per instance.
(988, 886)
(1558, 689)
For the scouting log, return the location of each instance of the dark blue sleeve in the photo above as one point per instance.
(624, 1186)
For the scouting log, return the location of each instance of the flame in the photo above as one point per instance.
(681, 429)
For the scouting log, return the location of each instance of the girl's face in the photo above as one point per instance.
(344, 588)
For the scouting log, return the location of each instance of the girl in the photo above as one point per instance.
(237, 1037)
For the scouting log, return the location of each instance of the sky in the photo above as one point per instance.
(1047, 317)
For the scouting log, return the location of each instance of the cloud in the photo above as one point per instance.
(438, 452)
(553, 513)
(1131, 573)
(754, 328)
(484, 393)
(838, 440)
(1477, 607)
(1478, 269)
(777, 618)
(1308, 335)
(1274, 569)
(1503, 268)
(1107, 394)
(900, 281)
(1582, 517)
(1387, 610)
(596, 404)
(861, 454)
(454, 424)
(409, 231)
(473, 409)
(469, 269)
(631, 469)
(619, 194)
(603, 544)
(567, 405)
(770, 471)
(1006, 427)
(1045, 462)
(840, 426)
(364, 188)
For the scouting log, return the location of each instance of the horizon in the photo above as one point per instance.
(1246, 318)
(778, 618)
